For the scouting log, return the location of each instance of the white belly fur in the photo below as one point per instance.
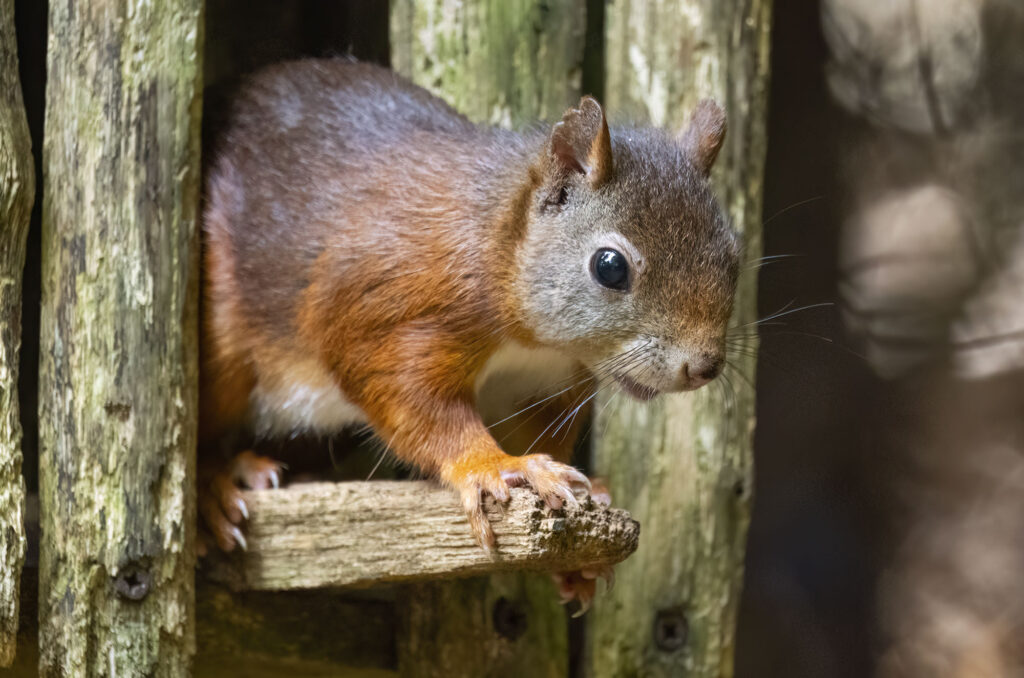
(303, 400)
(307, 400)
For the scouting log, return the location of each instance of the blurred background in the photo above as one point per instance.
(888, 532)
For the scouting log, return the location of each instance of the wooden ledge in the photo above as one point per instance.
(314, 535)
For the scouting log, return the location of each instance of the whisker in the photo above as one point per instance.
(604, 364)
(782, 313)
(791, 207)
(773, 257)
(569, 419)
(546, 429)
(740, 373)
(758, 264)
(590, 375)
(540, 402)
(380, 460)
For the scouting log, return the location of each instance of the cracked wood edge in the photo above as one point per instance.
(362, 533)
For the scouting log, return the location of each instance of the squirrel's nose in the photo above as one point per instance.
(701, 369)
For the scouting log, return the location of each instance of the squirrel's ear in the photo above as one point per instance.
(581, 143)
(703, 138)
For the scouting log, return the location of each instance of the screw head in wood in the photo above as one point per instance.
(133, 583)
(671, 629)
(510, 618)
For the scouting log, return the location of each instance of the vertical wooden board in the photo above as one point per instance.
(17, 193)
(117, 387)
(502, 62)
(682, 465)
(308, 633)
(487, 627)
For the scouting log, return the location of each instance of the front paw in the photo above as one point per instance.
(221, 506)
(478, 476)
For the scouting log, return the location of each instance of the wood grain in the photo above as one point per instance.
(118, 355)
(683, 464)
(359, 534)
(17, 192)
(503, 62)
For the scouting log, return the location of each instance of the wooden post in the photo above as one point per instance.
(17, 192)
(502, 62)
(117, 383)
(502, 625)
(682, 465)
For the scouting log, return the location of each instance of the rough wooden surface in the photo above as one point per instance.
(117, 385)
(314, 535)
(17, 192)
(507, 62)
(265, 635)
(504, 62)
(485, 627)
(682, 465)
(303, 633)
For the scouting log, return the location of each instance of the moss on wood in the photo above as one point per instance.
(504, 62)
(682, 465)
(17, 193)
(117, 387)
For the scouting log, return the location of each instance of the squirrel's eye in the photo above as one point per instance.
(610, 269)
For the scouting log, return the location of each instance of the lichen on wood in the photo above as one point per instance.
(117, 385)
(503, 62)
(682, 464)
(17, 193)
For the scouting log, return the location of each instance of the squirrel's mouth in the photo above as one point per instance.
(636, 389)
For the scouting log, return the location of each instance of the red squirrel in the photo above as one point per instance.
(373, 257)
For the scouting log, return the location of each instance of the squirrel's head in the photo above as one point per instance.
(627, 262)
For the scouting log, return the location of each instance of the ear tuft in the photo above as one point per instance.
(581, 142)
(703, 138)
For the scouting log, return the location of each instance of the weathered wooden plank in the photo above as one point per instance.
(314, 535)
(507, 62)
(17, 193)
(683, 465)
(117, 385)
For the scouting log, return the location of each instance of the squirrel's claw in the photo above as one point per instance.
(222, 509)
(255, 472)
(556, 483)
(239, 538)
(600, 493)
(606, 572)
(472, 503)
(581, 585)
